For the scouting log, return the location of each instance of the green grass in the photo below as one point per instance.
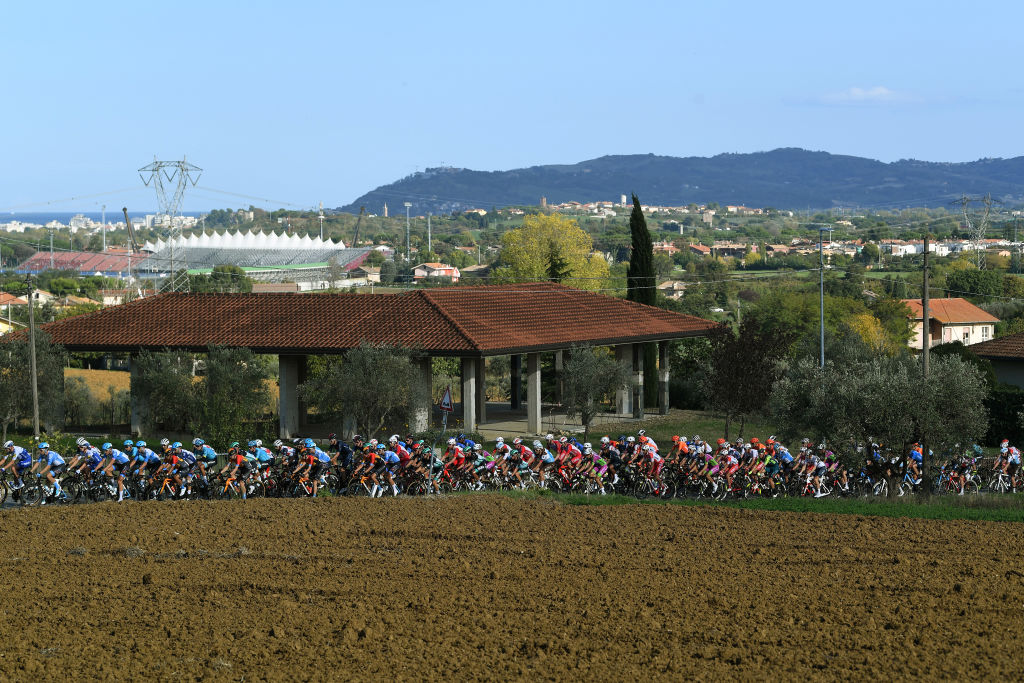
(990, 508)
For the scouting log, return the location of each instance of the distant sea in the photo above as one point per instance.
(42, 218)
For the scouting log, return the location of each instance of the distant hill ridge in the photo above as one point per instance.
(787, 178)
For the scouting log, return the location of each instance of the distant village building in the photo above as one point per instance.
(438, 270)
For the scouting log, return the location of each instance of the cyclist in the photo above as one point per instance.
(915, 461)
(117, 463)
(21, 460)
(239, 466)
(390, 461)
(53, 466)
(319, 467)
(206, 456)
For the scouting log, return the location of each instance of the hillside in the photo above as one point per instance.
(782, 178)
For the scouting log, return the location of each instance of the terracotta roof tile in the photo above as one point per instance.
(948, 311)
(461, 321)
(1010, 347)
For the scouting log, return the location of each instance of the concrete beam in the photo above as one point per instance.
(139, 408)
(420, 399)
(663, 377)
(533, 412)
(624, 396)
(638, 381)
(559, 385)
(288, 395)
(481, 390)
(469, 398)
(516, 388)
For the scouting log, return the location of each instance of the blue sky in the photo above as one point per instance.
(302, 102)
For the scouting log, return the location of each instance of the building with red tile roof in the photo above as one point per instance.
(471, 323)
(952, 319)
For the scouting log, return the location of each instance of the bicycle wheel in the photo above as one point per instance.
(32, 494)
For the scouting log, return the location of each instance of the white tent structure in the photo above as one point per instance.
(244, 241)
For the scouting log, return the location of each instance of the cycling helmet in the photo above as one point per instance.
(80, 441)
(696, 438)
(605, 439)
(372, 442)
(517, 441)
(8, 444)
(747, 445)
(43, 446)
(234, 444)
(140, 444)
(499, 440)
(176, 444)
(587, 446)
(357, 437)
(675, 439)
(631, 439)
(550, 437)
(647, 449)
(128, 443)
(332, 435)
(197, 442)
(393, 438)
(721, 442)
(641, 432)
(106, 445)
(278, 443)
(477, 447)
(309, 443)
(588, 450)
(259, 442)
(538, 444)
(1004, 449)
(451, 441)
(381, 447)
(165, 442)
(564, 439)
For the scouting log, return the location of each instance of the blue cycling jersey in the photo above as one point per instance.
(206, 453)
(264, 455)
(118, 456)
(132, 452)
(391, 458)
(146, 456)
(187, 456)
(23, 455)
(322, 456)
(53, 459)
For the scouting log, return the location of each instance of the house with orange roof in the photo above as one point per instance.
(952, 319)
(440, 270)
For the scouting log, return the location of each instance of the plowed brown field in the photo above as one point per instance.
(489, 587)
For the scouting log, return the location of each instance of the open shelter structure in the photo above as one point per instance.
(470, 323)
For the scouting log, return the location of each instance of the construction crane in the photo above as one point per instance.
(131, 230)
(355, 234)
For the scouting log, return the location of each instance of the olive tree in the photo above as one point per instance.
(16, 378)
(590, 377)
(370, 384)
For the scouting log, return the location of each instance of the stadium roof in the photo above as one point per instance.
(243, 240)
(456, 321)
(84, 262)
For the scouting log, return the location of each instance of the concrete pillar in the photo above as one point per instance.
(303, 375)
(288, 395)
(638, 381)
(481, 390)
(624, 396)
(420, 399)
(517, 380)
(139, 409)
(663, 377)
(469, 389)
(559, 361)
(533, 421)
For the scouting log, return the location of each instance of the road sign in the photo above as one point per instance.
(446, 400)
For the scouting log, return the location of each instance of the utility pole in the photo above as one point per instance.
(32, 356)
(925, 315)
(103, 228)
(408, 258)
(51, 248)
(321, 221)
(925, 353)
(430, 245)
(821, 260)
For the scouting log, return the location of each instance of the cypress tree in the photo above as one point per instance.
(640, 281)
(640, 287)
